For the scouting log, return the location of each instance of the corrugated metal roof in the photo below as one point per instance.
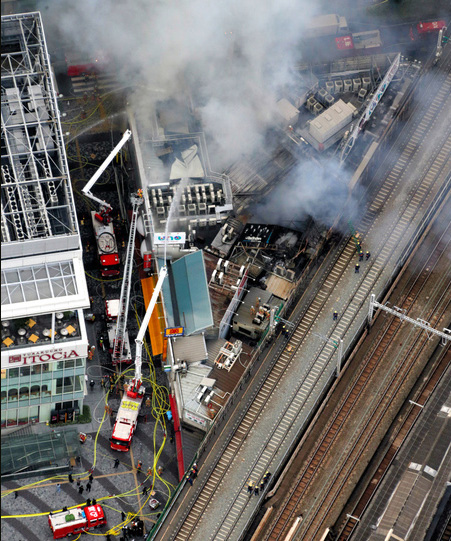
(190, 348)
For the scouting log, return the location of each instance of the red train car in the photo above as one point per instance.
(432, 27)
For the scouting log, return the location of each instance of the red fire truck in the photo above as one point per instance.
(79, 63)
(106, 245)
(127, 417)
(76, 521)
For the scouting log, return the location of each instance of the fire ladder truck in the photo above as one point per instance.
(127, 415)
(124, 300)
(101, 220)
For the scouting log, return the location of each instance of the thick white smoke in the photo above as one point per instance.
(315, 189)
(234, 55)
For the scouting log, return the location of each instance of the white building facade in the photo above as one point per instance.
(43, 288)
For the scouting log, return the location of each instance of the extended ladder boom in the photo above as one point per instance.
(124, 299)
(87, 189)
(145, 323)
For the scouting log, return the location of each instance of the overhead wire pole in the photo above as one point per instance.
(399, 312)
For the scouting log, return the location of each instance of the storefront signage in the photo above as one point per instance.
(195, 419)
(174, 331)
(171, 238)
(47, 356)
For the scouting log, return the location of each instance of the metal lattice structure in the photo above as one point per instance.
(37, 200)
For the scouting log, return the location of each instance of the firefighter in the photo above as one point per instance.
(266, 476)
(360, 255)
(250, 487)
(357, 268)
(101, 343)
(368, 255)
(139, 465)
(91, 384)
(149, 472)
(335, 315)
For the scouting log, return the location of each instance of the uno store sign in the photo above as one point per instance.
(48, 356)
(171, 238)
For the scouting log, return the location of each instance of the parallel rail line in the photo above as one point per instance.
(316, 377)
(349, 402)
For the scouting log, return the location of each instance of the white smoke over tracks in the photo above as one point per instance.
(319, 190)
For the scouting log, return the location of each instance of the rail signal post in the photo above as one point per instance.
(338, 345)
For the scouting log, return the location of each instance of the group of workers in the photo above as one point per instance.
(254, 488)
(362, 256)
(192, 474)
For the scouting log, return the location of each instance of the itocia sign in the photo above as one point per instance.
(46, 356)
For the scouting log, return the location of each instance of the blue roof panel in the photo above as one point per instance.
(191, 287)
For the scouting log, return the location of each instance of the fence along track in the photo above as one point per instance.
(317, 521)
(262, 396)
(350, 523)
(255, 407)
(435, 314)
(202, 499)
(344, 409)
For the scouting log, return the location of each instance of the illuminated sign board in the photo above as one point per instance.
(170, 238)
(174, 331)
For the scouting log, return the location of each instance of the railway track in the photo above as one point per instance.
(339, 422)
(245, 450)
(352, 518)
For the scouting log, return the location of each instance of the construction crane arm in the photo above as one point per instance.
(87, 189)
(145, 322)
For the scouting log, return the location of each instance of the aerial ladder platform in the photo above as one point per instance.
(124, 300)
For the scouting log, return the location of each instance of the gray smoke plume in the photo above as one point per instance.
(231, 57)
(315, 189)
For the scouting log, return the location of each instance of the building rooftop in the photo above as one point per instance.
(190, 348)
(333, 119)
(38, 212)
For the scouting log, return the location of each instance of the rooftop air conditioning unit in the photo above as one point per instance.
(201, 394)
(290, 274)
(329, 100)
(318, 109)
(338, 86)
(366, 83)
(219, 263)
(330, 87)
(242, 269)
(347, 85)
(209, 398)
(213, 276)
(357, 83)
(280, 270)
(226, 266)
(311, 102)
(237, 346)
(221, 278)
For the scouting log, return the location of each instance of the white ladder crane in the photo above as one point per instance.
(104, 206)
(124, 300)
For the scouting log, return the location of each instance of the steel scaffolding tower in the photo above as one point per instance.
(37, 200)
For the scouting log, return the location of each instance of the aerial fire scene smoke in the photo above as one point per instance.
(225, 270)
